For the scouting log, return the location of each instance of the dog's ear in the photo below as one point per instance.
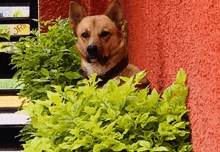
(114, 12)
(76, 14)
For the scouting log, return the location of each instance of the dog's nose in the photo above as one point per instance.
(92, 49)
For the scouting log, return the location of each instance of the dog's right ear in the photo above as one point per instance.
(114, 12)
(76, 14)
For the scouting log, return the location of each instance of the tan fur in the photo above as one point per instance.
(113, 47)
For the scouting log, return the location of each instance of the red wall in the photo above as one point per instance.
(165, 36)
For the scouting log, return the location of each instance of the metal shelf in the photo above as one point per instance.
(9, 91)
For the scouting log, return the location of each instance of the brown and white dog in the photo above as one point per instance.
(102, 43)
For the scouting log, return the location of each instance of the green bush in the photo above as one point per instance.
(47, 59)
(118, 118)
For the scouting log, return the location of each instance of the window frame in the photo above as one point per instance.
(31, 20)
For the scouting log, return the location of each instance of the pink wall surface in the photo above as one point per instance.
(165, 36)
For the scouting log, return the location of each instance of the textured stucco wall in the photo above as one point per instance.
(168, 35)
(165, 36)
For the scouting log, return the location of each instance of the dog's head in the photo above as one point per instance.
(98, 36)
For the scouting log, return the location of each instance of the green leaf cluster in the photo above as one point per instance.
(117, 118)
(4, 33)
(47, 59)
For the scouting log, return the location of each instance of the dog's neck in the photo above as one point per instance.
(105, 72)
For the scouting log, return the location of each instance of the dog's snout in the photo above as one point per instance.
(92, 49)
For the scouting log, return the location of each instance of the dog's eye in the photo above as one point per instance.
(85, 35)
(104, 34)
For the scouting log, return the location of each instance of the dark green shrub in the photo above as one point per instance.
(118, 118)
(47, 59)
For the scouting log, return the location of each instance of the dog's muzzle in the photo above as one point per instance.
(92, 53)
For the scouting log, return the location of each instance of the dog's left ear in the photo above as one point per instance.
(76, 14)
(114, 12)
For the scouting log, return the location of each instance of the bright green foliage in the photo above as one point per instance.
(47, 59)
(4, 33)
(118, 118)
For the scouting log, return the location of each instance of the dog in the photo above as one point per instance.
(102, 44)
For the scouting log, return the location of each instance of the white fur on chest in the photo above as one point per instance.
(98, 68)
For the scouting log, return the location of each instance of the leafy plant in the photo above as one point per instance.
(118, 118)
(46, 59)
(4, 33)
